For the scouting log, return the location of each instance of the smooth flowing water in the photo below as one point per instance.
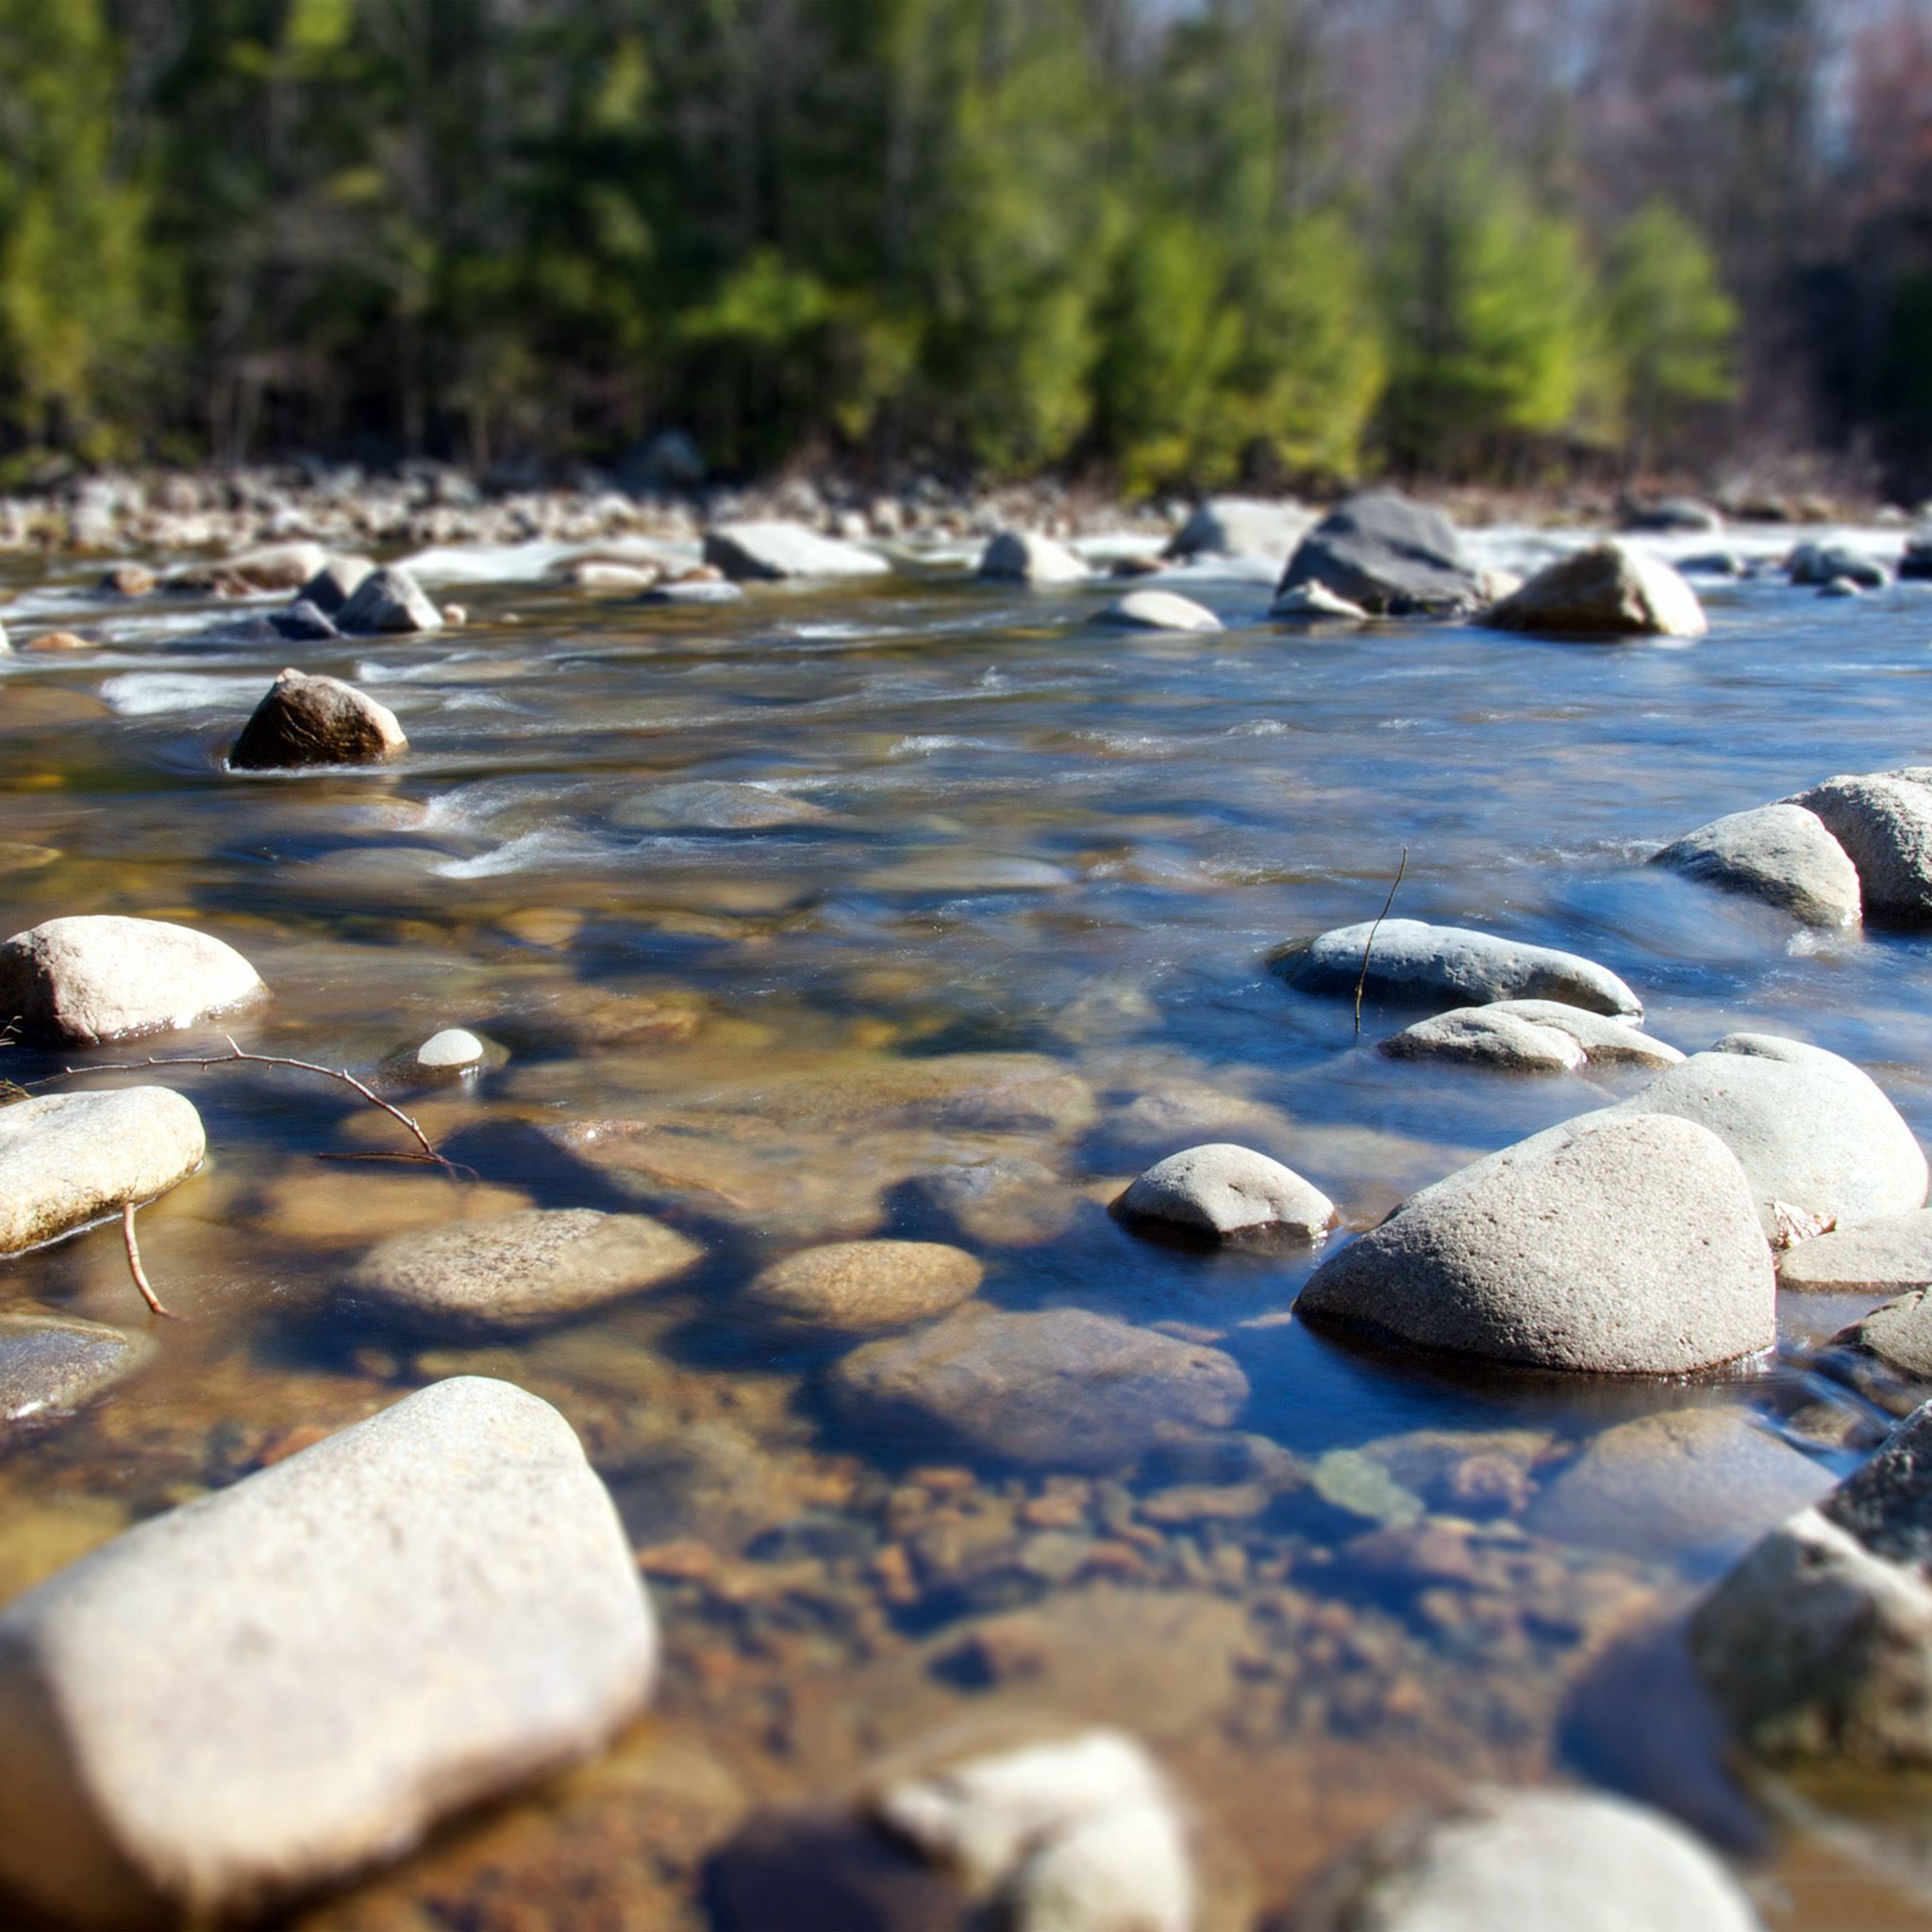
(1026, 835)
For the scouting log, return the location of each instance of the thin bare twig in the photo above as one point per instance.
(1361, 985)
(234, 1056)
(134, 1267)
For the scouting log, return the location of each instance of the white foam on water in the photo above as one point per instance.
(154, 694)
(527, 852)
(923, 745)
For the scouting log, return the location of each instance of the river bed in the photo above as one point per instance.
(1015, 936)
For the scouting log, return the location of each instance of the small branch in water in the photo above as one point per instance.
(135, 1269)
(236, 1056)
(1361, 985)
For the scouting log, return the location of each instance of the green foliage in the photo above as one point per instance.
(1004, 234)
(1490, 309)
(80, 314)
(1672, 327)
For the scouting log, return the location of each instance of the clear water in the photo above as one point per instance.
(743, 1005)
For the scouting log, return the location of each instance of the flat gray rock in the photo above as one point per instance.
(1811, 1130)
(1489, 1037)
(387, 602)
(951, 871)
(1242, 527)
(1689, 1485)
(49, 1362)
(316, 720)
(1884, 821)
(1393, 556)
(83, 980)
(70, 1159)
(1882, 1256)
(1412, 961)
(1782, 854)
(1897, 1333)
(1024, 557)
(1613, 1247)
(1496, 1860)
(1158, 610)
(770, 552)
(1818, 1646)
(1607, 590)
(521, 1270)
(426, 1610)
(1315, 604)
(1605, 1042)
(715, 805)
(1063, 1388)
(1221, 1188)
(865, 1288)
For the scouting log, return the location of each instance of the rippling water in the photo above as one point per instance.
(1018, 833)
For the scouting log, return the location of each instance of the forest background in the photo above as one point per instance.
(1270, 242)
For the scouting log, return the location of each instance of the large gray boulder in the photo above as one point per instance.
(1024, 557)
(1811, 1130)
(1415, 962)
(49, 1362)
(69, 1160)
(1607, 1245)
(1494, 1860)
(1241, 526)
(1884, 821)
(1818, 1645)
(1783, 854)
(520, 1271)
(338, 581)
(294, 1678)
(1607, 591)
(1220, 1188)
(1885, 1257)
(1064, 1389)
(769, 551)
(80, 981)
(316, 720)
(1389, 554)
(387, 602)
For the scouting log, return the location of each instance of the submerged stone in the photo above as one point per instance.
(424, 1612)
(858, 1288)
(49, 1362)
(1782, 854)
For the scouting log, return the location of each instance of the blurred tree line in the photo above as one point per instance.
(1193, 241)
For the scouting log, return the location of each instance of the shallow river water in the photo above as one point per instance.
(1071, 849)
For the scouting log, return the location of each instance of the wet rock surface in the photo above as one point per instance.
(1219, 1189)
(1410, 960)
(858, 1288)
(1024, 557)
(322, 1678)
(1782, 854)
(388, 601)
(770, 551)
(1883, 820)
(1241, 526)
(1158, 610)
(1607, 590)
(100, 977)
(316, 720)
(1646, 1256)
(1538, 1861)
(69, 1160)
(521, 1270)
(1389, 554)
(1880, 1257)
(49, 1363)
(1064, 1388)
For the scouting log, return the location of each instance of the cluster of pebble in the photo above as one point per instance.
(349, 1630)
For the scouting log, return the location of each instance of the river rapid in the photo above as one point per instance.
(1018, 834)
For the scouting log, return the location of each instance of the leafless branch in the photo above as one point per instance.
(1361, 985)
(134, 1267)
